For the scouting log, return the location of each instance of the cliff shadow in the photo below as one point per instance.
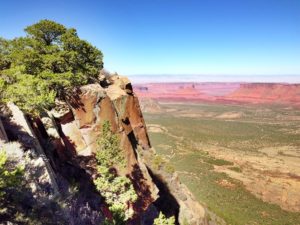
(166, 203)
(142, 188)
(24, 200)
(15, 132)
(75, 173)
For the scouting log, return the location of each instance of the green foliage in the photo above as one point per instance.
(169, 168)
(46, 31)
(162, 220)
(9, 178)
(217, 162)
(117, 190)
(158, 162)
(49, 62)
(236, 169)
(109, 153)
(118, 216)
(4, 52)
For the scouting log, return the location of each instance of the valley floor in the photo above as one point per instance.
(242, 162)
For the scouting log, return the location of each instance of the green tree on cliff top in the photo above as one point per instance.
(47, 63)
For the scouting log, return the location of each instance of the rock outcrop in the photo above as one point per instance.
(65, 141)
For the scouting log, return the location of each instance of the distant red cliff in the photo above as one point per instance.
(256, 93)
(267, 93)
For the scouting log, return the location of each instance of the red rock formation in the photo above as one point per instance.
(255, 93)
(74, 126)
(80, 127)
(184, 91)
(267, 93)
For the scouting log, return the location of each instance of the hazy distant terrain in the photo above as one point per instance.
(223, 78)
(254, 93)
(241, 160)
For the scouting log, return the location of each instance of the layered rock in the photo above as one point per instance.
(267, 93)
(65, 138)
(65, 141)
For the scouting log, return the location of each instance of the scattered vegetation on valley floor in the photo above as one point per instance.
(188, 137)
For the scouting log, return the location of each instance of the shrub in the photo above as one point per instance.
(9, 178)
(158, 162)
(169, 168)
(117, 190)
(162, 220)
(236, 169)
(109, 152)
(218, 162)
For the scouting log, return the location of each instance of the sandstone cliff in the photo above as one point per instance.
(64, 141)
(267, 93)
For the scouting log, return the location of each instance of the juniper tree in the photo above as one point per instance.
(47, 63)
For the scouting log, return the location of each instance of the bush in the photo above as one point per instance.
(109, 152)
(9, 178)
(158, 162)
(117, 190)
(162, 220)
(169, 168)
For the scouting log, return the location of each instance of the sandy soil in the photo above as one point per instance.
(269, 175)
(155, 128)
(230, 115)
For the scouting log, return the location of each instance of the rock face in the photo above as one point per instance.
(80, 127)
(3, 135)
(64, 141)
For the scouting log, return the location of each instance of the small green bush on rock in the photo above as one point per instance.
(117, 190)
(162, 220)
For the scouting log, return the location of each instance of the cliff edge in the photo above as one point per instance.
(64, 142)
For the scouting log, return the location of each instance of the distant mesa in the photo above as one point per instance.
(229, 92)
(143, 88)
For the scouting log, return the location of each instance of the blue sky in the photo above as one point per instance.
(235, 37)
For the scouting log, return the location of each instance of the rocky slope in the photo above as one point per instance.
(63, 143)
